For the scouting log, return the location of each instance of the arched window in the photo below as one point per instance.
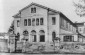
(25, 33)
(53, 36)
(42, 36)
(33, 33)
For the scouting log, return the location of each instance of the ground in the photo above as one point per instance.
(35, 54)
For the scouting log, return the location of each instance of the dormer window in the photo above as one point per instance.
(33, 10)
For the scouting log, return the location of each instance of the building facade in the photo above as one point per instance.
(39, 24)
(81, 31)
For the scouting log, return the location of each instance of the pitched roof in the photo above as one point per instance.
(38, 6)
(44, 7)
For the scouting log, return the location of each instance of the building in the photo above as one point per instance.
(3, 42)
(81, 31)
(39, 24)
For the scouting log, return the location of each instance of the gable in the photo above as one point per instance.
(34, 5)
(38, 12)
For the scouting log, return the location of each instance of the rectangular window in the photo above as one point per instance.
(68, 38)
(33, 22)
(69, 27)
(34, 38)
(80, 29)
(41, 21)
(53, 20)
(29, 22)
(84, 30)
(66, 24)
(25, 22)
(42, 38)
(18, 23)
(33, 10)
(37, 21)
(62, 21)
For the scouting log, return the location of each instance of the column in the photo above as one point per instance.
(37, 37)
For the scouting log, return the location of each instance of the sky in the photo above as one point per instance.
(8, 8)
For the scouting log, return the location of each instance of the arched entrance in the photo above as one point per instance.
(42, 36)
(33, 33)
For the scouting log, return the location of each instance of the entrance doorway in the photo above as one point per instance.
(42, 36)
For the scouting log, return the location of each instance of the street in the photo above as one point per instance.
(35, 54)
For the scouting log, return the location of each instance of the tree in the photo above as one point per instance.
(11, 28)
(80, 8)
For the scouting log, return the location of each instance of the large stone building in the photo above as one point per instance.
(39, 24)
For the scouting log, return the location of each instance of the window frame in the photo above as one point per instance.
(29, 22)
(25, 22)
(33, 10)
(53, 20)
(33, 21)
(18, 21)
(41, 21)
(68, 39)
(37, 21)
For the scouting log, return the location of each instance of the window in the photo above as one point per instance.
(29, 22)
(84, 30)
(34, 37)
(25, 33)
(66, 24)
(53, 20)
(17, 23)
(37, 21)
(42, 38)
(41, 21)
(80, 29)
(62, 21)
(69, 27)
(33, 22)
(68, 38)
(42, 35)
(25, 22)
(33, 10)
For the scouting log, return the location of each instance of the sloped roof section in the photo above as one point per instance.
(79, 24)
(44, 7)
(17, 15)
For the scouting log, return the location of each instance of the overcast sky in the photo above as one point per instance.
(8, 8)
